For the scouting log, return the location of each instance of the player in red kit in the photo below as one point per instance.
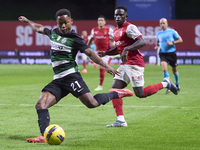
(128, 40)
(103, 38)
(84, 57)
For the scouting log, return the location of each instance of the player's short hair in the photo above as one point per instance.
(121, 7)
(102, 16)
(63, 12)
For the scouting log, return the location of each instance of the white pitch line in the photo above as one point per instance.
(131, 106)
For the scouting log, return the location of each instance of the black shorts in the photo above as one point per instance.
(170, 58)
(72, 83)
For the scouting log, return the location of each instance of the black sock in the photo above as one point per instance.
(104, 98)
(43, 119)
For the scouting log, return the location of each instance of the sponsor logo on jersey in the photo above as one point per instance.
(100, 37)
(57, 46)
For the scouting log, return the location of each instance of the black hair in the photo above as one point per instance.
(102, 16)
(63, 12)
(121, 7)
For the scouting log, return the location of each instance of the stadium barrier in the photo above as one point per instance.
(43, 57)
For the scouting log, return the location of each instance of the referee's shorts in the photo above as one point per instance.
(170, 58)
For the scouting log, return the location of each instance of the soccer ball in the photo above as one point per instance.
(54, 134)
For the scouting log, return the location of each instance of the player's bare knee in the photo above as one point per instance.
(41, 104)
(38, 106)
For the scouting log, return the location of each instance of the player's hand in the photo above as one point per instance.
(156, 47)
(170, 43)
(101, 53)
(23, 19)
(124, 56)
(112, 71)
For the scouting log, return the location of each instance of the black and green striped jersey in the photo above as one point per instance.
(64, 48)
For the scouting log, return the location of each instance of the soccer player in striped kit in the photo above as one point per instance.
(65, 43)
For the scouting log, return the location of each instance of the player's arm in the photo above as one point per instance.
(136, 45)
(133, 33)
(110, 52)
(90, 41)
(35, 26)
(90, 38)
(157, 45)
(111, 38)
(94, 57)
(177, 41)
(112, 43)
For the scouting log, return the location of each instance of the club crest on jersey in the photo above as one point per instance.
(53, 37)
(119, 42)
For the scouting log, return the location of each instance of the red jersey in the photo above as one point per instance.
(85, 39)
(102, 38)
(124, 36)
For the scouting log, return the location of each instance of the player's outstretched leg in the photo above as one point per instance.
(122, 92)
(171, 86)
(39, 139)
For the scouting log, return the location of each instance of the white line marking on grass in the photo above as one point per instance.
(130, 106)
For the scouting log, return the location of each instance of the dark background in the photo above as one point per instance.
(81, 9)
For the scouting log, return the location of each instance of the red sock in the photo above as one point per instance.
(84, 64)
(102, 75)
(152, 89)
(117, 105)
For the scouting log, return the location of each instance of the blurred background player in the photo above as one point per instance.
(166, 40)
(128, 40)
(94, 49)
(103, 39)
(84, 57)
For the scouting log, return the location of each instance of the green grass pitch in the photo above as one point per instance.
(159, 122)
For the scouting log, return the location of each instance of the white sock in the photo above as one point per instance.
(164, 84)
(121, 118)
